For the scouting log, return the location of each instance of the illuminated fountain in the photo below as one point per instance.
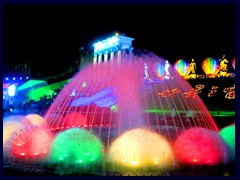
(125, 116)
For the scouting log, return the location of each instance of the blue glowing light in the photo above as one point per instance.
(105, 44)
(11, 90)
(104, 98)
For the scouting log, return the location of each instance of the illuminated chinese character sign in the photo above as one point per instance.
(215, 93)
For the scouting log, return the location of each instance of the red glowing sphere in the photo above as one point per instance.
(200, 146)
(30, 142)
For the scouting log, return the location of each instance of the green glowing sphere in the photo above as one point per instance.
(228, 135)
(75, 147)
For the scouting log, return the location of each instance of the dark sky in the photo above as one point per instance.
(49, 36)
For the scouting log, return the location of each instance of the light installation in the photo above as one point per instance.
(76, 147)
(106, 44)
(104, 98)
(210, 66)
(30, 84)
(31, 142)
(48, 90)
(228, 135)
(159, 70)
(12, 90)
(138, 121)
(181, 66)
(9, 128)
(200, 146)
(35, 119)
(134, 149)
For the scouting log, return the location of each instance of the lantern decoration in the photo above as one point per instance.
(210, 66)
(181, 66)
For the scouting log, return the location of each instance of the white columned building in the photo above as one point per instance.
(117, 45)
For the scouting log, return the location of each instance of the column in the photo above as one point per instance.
(119, 53)
(99, 58)
(106, 57)
(94, 58)
(130, 50)
(111, 55)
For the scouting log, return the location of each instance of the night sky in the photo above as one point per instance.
(49, 36)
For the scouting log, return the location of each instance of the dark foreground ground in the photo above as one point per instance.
(26, 170)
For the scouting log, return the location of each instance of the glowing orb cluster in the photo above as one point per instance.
(9, 128)
(210, 65)
(140, 148)
(200, 146)
(75, 147)
(181, 66)
(228, 135)
(31, 142)
(35, 119)
(75, 119)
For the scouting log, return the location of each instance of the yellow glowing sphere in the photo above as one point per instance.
(9, 128)
(141, 148)
(35, 119)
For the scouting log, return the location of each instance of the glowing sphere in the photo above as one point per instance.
(35, 119)
(141, 148)
(17, 118)
(159, 70)
(200, 146)
(31, 141)
(233, 63)
(75, 119)
(9, 128)
(210, 66)
(75, 147)
(228, 135)
(181, 66)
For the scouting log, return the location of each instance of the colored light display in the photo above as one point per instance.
(159, 70)
(103, 98)
(75, 147)
(9, 128)
(48, 90)
(35, 119)
(75, 119)
(200, 146)
(233, 63)
(30, 84)
(210, 65)
(134, 149)
(12, 90)
(228, 135)
(181, 66)
(31, 142)
(106, 44)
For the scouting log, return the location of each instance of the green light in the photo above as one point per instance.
(48, 90)
(31, 83)
(84, 84)
(228, 135)
(78, 146)
(114, 108)
(213, 113)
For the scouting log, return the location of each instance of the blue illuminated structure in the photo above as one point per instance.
(116, 45)
(103, 98)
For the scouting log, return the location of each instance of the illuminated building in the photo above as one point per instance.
(117, 45)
